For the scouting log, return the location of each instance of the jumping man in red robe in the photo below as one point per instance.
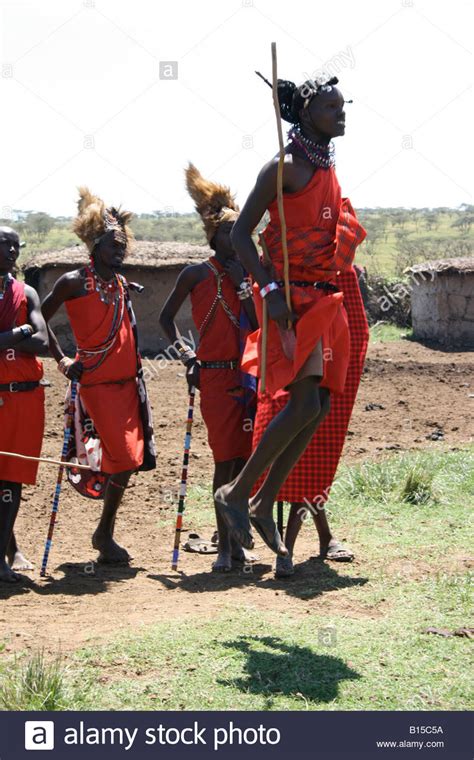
(309, 360)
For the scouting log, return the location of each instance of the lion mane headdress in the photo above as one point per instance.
(94, 220)
(215, 203)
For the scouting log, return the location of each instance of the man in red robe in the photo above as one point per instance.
(113, 424)
(23, 336)
(309, 360)
(221, 300)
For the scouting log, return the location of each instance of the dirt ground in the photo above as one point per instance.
(411, 397)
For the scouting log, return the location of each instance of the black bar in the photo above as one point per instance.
(253, 735)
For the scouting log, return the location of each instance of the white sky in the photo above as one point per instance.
(79, 72)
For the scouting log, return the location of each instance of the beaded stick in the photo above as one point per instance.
(184, 479)
(57, 491)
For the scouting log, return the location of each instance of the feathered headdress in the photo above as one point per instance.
(94, 220)
(215, 203)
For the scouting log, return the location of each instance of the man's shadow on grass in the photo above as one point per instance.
(312, 578)
(275, 668)
(79, 579)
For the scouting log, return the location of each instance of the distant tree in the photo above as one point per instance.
(39, 222)
(464, 222)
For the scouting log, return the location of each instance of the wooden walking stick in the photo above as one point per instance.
(45, 460)
(263, 367)
(57, 491)
(184, 479)
(281, 161)
(287, 341)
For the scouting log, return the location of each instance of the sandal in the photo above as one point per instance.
(199, 545)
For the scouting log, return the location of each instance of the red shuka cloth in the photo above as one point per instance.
(109, 393)
(312, 476)
(225, 416)
(322, 235)
(21, 414)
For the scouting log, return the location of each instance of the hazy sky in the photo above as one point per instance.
(83, 101)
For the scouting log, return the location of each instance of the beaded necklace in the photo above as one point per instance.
(219, 298)
(108, 290)
(103, 349)
(320, 154)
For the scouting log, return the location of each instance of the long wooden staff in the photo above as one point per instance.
(281, 160)
(263, 367)
(71, 465)
(57, 491)
(184, 479)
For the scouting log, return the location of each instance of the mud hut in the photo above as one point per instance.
(442, 299)
(152, 264)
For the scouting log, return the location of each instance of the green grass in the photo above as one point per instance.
(386, 333)
(409, 518)
(390, 247)
(32, 683)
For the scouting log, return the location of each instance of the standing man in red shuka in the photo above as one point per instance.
(309, 360)
(23, 336)
(223, 310)
(112, 423)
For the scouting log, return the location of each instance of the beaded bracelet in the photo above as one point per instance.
(186, 355)
(64, 364)
(268, 289)
(245, 290)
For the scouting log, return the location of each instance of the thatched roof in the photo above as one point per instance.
(444, 266)
(144, 255)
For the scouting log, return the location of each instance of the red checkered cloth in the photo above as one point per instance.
(314, 473)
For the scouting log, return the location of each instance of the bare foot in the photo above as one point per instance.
(7, 575)
(261, 518)
(242, 555)
(19, 562)
(284, 567)
(235, 513)
(109, 551)
(223, 563)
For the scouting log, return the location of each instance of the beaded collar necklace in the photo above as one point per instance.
(109, 290)
(320, 154)
(5, 283)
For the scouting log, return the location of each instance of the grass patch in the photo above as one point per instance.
(418, 487)
(33, 683)
(386, 333)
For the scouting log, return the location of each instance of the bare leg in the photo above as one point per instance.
(223, 472)
(262, 503)
(10, 495)
(102, 540)
(16, 558)
(281, 446)
(228, 548)
(328, 544)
